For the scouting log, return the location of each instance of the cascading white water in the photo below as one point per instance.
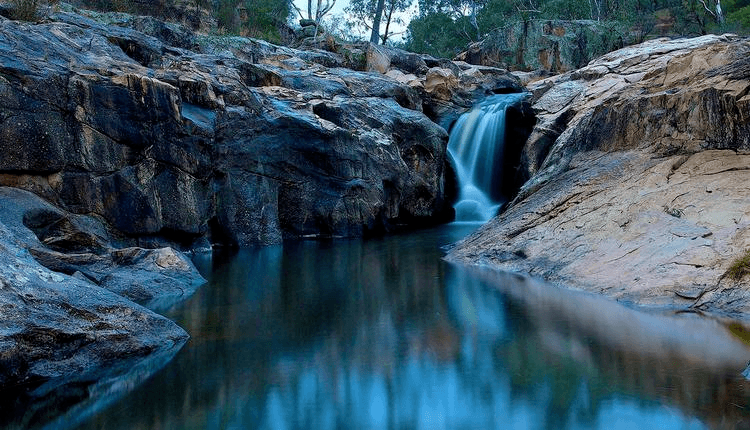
(476, 144)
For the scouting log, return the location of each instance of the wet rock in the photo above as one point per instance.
(69, 327)
(81, 246)
(638, 164)
(58, 329)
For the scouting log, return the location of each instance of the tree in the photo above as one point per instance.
(457, 10)
(438, 34)
(370, 14)
(377, 16)
(255, 18)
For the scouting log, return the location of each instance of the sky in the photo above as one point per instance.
(337, 13)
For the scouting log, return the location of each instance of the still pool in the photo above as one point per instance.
(383, 334)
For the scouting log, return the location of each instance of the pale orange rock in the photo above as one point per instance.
(640, 167)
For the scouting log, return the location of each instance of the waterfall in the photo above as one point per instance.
(476, 145)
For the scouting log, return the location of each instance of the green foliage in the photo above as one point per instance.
(740, 19)
(363, 13)
(225, 16)
(252, 18)
(494, 14)
(438, 35)
(442, 27)
(739, 268)
(566, 9)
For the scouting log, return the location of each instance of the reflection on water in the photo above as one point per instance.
(71, 400)
(383, 334)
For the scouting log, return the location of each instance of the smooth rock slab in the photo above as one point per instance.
(639, 167)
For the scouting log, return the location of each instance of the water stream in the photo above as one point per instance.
(383, 334)
(476, 144)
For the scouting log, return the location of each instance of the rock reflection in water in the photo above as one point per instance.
(69, 401)
(382, 334)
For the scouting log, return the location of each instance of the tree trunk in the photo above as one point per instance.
(309, 9)
(473, 19)
(388, 22)
(375, 36)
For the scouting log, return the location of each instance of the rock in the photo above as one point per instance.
(440, 83)
(80, 246)
(59, 331)
(638, 164)
(241, 143)
(554, 46)
(378, 59)
(66, 338)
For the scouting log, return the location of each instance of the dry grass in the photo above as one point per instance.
(24, 10)
(739, 268)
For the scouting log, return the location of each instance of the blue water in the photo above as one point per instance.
(383, 334)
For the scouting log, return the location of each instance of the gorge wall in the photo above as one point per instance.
(546, 45)
(183, 139)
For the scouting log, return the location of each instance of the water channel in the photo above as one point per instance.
(383, 334)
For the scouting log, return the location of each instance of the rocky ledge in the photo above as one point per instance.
(66, 327)
(172, 137)
(639, 167)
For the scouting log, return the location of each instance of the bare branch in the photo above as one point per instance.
(707, 9)
(299, 11)
(323, 9)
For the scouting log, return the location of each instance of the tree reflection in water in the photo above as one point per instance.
(383, 334)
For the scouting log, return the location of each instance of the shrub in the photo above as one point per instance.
(24, 10)
(739, 268)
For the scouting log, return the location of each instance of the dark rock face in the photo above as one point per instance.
(81, 246)
(245, 143)
(69, 329)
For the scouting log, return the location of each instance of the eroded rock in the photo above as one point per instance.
(81, 246)
(57, 329)
(173, 139)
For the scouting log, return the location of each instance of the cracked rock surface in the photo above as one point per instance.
(639, 168)
(182, 139)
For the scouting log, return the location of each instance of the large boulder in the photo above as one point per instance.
(237, 141)
(81, 246)
(638, 166)
(70, 331)
(60, 334)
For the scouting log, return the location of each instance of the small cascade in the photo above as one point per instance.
(476, 144)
